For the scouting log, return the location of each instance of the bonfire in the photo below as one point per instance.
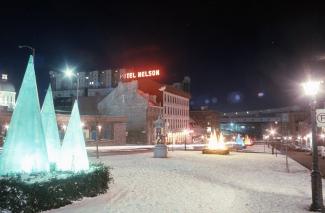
(248, 141)
(216, 145)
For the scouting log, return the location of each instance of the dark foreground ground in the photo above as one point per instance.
(305, 159)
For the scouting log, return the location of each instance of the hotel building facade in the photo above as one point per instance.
(142, 101)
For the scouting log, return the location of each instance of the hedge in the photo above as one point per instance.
(39, 192)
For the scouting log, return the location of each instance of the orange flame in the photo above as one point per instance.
(216, 142)
(247, 140)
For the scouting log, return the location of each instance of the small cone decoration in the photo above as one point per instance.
(73, 152)
(239, 140)
(24, 149)
(51, 128)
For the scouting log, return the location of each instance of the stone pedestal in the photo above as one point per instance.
(216, 151)
(160, 151)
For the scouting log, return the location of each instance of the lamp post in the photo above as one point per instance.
(98, 138)
(185, 133)
(70, 73)
(311, 89)
(28, 47)
(272, 133)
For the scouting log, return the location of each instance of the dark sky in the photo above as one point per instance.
(232, 52)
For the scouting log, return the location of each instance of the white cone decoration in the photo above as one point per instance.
(51, 128)
(73, 152)
(24, 149)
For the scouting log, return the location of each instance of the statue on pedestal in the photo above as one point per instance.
(160, 150)
(160, 129)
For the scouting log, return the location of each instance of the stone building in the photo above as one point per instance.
(142, 101)
(175, 103)
(107, 130)
(140, 108)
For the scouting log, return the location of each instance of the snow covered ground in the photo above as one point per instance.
(189, 181)
(131, 146)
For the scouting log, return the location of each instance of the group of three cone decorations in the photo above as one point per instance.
(33, 144)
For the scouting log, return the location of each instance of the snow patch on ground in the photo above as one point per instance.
(189, 181)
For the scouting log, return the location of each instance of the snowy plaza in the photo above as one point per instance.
(188, 181)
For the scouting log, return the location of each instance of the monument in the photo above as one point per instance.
(160, 150)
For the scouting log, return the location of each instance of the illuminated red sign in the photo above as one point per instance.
(140, 74)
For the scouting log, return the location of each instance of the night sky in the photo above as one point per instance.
(240, 56)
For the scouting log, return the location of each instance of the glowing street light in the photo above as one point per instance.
(97, 140)
(311, 89)
(272, 132)
(322, 136)
(68, 72)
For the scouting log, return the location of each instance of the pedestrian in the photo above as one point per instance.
(272, 148)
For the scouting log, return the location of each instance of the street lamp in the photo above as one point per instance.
(28, 47)
(68, 72)
(98, 138)
(322, 136)
(311, 89)
(185, 131)
(272, 132)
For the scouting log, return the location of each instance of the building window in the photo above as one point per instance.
(108, 132)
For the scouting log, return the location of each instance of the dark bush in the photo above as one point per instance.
(19, 194)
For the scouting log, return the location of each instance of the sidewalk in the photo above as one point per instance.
(305, 159)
